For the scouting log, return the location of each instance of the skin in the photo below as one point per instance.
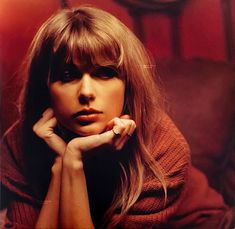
(104, 94)
(66, 204)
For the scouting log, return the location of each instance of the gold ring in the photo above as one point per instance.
(116, 131)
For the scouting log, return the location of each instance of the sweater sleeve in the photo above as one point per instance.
(202, 207)
(21, 214)
(22, 207)
(190, 203)
(172, 155)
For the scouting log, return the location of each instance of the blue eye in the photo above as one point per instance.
(105, 72)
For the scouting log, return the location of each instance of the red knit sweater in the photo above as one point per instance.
(190, 201)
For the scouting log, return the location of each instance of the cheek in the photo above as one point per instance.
(61, 102)
(116, 99)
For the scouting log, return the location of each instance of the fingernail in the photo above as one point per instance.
(116, 130)
(48, 110)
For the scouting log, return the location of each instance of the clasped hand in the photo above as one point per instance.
(117, 133)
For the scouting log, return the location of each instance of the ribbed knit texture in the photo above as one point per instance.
(172, 154)
(190, 202)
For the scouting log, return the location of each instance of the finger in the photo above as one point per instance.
(47, 114)
(111, 122)
(46, 129)
(127, 133)
(125, 129)
(84, 144)
(48, 111)
(125, 116)
(132, 129)
(110, 125)
(51, 123)
(119, 126)
(56, 143)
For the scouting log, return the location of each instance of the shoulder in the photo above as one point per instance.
(11, 144)
(167, 135)
(11, 163)
(171, 155)
(170, 149)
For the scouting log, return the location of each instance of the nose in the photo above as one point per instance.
(86, 90)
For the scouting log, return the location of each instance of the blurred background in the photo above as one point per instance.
(193, 44)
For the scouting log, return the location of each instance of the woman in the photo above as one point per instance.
(96, 149)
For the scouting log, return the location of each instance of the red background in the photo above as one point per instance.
(200, 84)
(201, 31)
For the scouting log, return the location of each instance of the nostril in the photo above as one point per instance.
(85, 99)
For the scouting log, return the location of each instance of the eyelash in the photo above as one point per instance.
(105, 72)
(67, 76)
(101, 73)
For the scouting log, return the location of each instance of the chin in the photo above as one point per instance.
(90, 129)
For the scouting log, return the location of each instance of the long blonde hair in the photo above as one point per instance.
(93, 35)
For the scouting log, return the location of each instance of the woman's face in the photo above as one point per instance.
(85, 101)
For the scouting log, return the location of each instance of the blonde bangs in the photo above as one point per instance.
(85, 48)
(88, 37)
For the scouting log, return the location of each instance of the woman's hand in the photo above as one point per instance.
(44, 128)
(74, 202)
(123, 129)
(117, 133)
(72, 197)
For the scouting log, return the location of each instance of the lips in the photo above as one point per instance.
(86, 116)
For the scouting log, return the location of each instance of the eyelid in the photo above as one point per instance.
(102, 69)
(69, 74)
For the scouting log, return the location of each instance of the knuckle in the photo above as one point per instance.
(122, 127)
(116, 120)
(134, 124)
(47, 135)
(74, 144)
(37, 131)
(40, 132)
(130, 123)
(34, 128)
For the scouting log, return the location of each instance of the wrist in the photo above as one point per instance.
(57, 166)
(72, 163)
